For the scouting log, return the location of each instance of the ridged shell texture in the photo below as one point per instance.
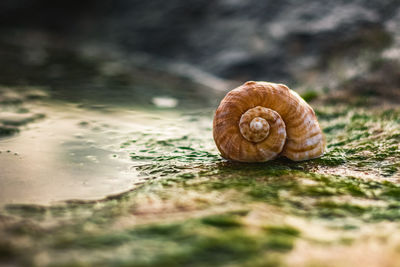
(260, 121)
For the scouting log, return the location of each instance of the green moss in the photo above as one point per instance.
(395, 136)
(364, 140)
(335, 127)
(187, 176)
(281, 237)
(222, 220)
(279, 243)
(8, 130)
(346, 241)
(389, 170)
(7, 252)
(72, 263)
(229, 247)
(333, 209)
(309, 95)
(392, 192)
(282, 230)
(323, 114)
(349, 227)
(385, 215)
(26, 210)
(158, 229)
(318, 191)
(343, 185)
(285, 190)
(188, 243)
(357, 140)
(330, 160)
(90, 242)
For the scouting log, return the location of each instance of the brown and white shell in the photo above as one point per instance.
(260, 121)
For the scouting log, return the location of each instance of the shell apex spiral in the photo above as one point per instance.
(259, 121)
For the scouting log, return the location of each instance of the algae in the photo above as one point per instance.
(193, 208)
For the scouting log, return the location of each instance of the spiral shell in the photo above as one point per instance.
(260, 121)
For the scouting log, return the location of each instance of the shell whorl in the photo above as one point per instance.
(259, 121)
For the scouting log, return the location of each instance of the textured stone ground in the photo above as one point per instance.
(192, 208)
(106, 150)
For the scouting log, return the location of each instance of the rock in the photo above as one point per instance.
(16, 95)
(6, 130)
(250, 40)
(17, 119)
(380, 82)
(7, 96)
(35, 93)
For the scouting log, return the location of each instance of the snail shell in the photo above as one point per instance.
(260, 121)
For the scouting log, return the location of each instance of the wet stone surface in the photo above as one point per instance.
(13, 113)
(106, 150)
(147, 187)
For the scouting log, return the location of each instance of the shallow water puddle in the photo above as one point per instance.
(76, 153)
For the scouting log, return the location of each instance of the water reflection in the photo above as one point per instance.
(95, 125)
(74, 153)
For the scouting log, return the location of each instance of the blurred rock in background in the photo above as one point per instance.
(308, 44)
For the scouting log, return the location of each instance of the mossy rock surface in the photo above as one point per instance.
(190, 207)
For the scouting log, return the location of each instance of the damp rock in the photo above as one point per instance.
(18, 119)
(35, 93)
(6, 130)
(7, 96)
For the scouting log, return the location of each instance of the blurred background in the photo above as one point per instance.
(183, 48)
